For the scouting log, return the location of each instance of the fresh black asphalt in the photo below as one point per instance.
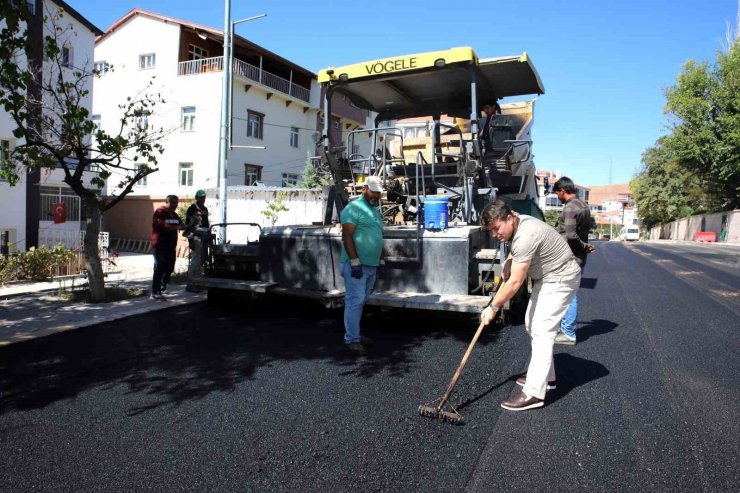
(262, 397)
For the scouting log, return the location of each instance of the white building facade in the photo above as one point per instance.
(32, 225)
(275, 104)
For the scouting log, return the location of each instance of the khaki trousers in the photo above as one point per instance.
(546, 308)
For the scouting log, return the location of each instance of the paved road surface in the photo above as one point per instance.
(263, 398)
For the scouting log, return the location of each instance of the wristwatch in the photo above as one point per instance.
(494, 308)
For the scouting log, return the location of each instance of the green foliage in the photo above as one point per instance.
(47, 106)
(275, 207)
(551, 218)
(665, 191)
(182, 208)
(696, 168)
(36, 264)
(311, 177)
(53, 124)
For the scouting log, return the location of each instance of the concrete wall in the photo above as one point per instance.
(132, 217)
(685, 229)
(245, 204)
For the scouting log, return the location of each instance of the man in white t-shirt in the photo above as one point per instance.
(537, 251)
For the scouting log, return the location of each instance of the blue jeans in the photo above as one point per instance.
(164, 265)
(568, 323)
(356, 292)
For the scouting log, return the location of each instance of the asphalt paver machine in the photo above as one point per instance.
(450, 264)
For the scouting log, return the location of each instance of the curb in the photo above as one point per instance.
(144, 306)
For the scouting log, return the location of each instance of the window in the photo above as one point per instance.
(252, 174)
(147, 61)
(142, 182)
(336, 124)
(50, 195)
(31, 6)
(66, 55)
(289, 180)
(255, 122)
(4, 149)
(186, 174)
(196, 52)
(623, 197)
(187, 120)
(101, 67)
(293, 137)
(142, 121)
(96, 127)
(552, 202)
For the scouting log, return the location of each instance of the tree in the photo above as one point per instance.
(47, 102)
(313, 176)
(551, 218)
(696, 167)
(705, 136)
(275, 207)
(663, 190)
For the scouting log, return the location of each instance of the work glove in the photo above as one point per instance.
(356, 268)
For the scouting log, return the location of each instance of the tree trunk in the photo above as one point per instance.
(95, 279)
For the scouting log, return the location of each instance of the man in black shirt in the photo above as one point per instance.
(198, 233)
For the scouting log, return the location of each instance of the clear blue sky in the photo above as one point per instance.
(604, 63)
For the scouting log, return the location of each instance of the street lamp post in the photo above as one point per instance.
(224, 138)
(611, 228)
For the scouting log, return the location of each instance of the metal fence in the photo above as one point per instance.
(74, 240)
(54, 195)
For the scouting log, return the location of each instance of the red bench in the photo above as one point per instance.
(708, 236)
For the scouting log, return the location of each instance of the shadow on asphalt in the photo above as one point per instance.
(188, 352)
(595, 327)
(478, 397)
(572, 372)
(588, 282)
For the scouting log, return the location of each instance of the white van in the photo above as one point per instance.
(629, 233)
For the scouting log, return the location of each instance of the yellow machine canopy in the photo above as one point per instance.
(432, 83)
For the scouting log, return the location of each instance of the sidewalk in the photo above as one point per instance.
(32, 310)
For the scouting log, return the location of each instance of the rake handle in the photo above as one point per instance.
(459, 370)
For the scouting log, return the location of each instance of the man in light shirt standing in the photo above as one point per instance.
(537, 251)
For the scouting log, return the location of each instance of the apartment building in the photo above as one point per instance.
(276, 110)
(547, 200)
(28, 205)
(275, 104)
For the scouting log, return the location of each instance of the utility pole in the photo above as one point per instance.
(224, 134)
(226, 94)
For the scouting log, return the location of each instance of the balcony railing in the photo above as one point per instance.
(243, 69)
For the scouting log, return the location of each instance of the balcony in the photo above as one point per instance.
(243, 69)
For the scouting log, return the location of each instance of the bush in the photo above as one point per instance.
(35, 264)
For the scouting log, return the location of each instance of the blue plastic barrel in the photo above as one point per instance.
(436, 213)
